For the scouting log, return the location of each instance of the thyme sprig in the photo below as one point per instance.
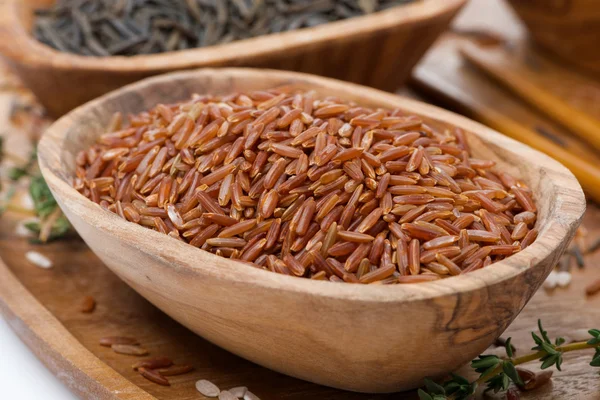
(498, 373)
(52, 223)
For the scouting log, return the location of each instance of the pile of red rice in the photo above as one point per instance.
(312, 187)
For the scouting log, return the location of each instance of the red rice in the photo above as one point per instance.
(314, 187)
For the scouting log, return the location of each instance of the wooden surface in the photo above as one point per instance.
(569, 29)
(46, 317)
(356, 50)
(246, 310)
(452, 82)
(448, 79)
(51, 315)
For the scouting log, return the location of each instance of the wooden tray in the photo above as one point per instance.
(42, 307)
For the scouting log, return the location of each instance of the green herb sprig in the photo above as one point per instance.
(52, 223)
(498, 373)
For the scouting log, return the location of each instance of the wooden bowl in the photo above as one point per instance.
(364, 338)
(377, 50)
(570, 29)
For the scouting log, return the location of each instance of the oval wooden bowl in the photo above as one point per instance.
(363, 338)
(569, 29)
(377, 50)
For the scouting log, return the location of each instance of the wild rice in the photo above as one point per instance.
(313, 187)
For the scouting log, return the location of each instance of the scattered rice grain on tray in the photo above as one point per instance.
(108, 341)
(129, 349)
(38, 259)
(251, 396)
(227, 395)
(563, 278)
(175, 370)
(154, 376)
(238, 391)
(88, 304)
(551, 280)
(310, 186)
(593, 288)
(207, 388)
(153, 363)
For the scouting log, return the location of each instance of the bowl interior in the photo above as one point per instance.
(554, 187)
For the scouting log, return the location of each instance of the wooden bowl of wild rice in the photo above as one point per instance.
(455, 198)
(568, 29)
(378, 50)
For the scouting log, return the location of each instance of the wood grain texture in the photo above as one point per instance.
(446, 77)
(310, 327)
(569, 29)
(42, 307)
(378, 50)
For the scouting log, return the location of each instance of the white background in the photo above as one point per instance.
(22, 376)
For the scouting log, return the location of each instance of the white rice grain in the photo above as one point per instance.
(38, 259)
(239, 391)
(551, 281)
(207, 388)
(563, 278)
(251, 396)
(22, 231)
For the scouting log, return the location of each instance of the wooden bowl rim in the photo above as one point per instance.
(564, 213)
(25, 48)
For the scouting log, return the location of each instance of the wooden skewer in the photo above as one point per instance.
(581, 124)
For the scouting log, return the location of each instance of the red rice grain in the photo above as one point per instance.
(313, 187)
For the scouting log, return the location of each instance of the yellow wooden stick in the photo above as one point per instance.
(579, 123)
(588, 174)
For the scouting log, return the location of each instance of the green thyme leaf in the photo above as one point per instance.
(510, 371)
(424, 395)
(549, 361)
(548, 348)
(595, 335)
(509, 348)
(434, 388)
(543, 332)
(559, 341)
(1, 148)
(498, 383)
(485, 361)
(538, 340)
(559, 361)
(16, 173)
(596, 359)
(43, 202)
